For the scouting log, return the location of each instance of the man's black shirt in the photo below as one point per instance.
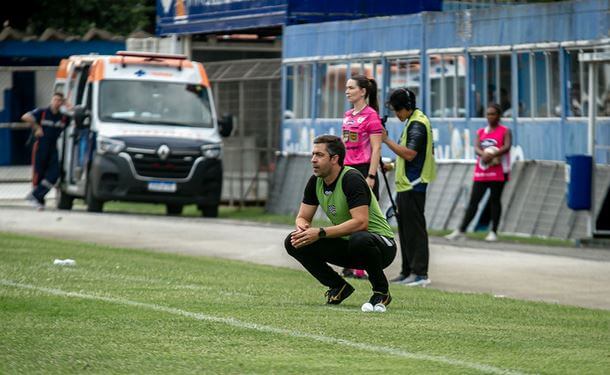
(355, 188)
(417, 138)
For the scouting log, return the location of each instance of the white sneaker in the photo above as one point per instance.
(422, 281)
(455, 235)
(403, 280)
(491, 237)
(34, 202)
(409, 279)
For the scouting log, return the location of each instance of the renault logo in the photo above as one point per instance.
(163, 152)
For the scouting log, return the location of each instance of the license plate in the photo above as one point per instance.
(162, 186)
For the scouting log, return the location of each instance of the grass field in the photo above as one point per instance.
(258, 214)
(129, 311)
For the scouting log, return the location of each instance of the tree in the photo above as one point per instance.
(76, 16)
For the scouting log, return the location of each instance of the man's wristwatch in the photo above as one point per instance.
(322, 233)
(371, 176)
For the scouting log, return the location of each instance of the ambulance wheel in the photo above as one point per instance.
(93, 204)
(173, 209)
(209, 211)
(63, 199)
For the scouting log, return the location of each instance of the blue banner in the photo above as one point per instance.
(208, 16)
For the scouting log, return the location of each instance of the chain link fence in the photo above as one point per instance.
(250, 91)
(16, 183)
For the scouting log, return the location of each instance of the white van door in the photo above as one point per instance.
(77, 146)
(81, 148)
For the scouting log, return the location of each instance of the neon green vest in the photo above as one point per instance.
(428, 173)
(336, 208)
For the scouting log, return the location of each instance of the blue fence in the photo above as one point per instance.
(457, 62)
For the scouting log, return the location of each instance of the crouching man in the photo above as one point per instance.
(360, 236)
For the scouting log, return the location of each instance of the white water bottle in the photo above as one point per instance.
(64, 262)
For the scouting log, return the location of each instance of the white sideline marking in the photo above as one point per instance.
(264, 328)
(153, 280)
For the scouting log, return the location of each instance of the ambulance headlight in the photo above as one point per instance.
(109, 145)
(211, 151)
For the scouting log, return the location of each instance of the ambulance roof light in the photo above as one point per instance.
(152, 55)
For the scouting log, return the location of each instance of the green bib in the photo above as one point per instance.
(428, 173)
(335, 207)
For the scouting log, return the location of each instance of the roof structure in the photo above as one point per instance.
(21, 48)
(50, 34)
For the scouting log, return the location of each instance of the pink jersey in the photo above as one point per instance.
(357, 130)
(495, 170)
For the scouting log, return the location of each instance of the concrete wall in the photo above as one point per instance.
(533, 202)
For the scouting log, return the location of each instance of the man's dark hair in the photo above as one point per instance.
(402, 99)
(57, 93)
(334, 146)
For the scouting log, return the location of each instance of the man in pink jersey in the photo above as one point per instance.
(491, 171)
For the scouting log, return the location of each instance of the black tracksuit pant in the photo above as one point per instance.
(495, 204)
(413, 232)
(363, 250)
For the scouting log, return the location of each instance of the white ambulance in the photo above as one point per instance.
(144, 130)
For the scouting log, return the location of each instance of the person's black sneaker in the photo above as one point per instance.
(378, 302)
(336, 295)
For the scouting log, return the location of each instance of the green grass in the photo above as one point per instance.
(424, 330)
(247, 213)
(258, 214)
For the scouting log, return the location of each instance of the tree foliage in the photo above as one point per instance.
(76, 16)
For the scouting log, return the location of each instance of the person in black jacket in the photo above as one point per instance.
(415, 168)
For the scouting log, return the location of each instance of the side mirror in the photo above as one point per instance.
(82, 117)
(225, 125)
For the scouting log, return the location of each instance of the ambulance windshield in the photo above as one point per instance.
(155, 103)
